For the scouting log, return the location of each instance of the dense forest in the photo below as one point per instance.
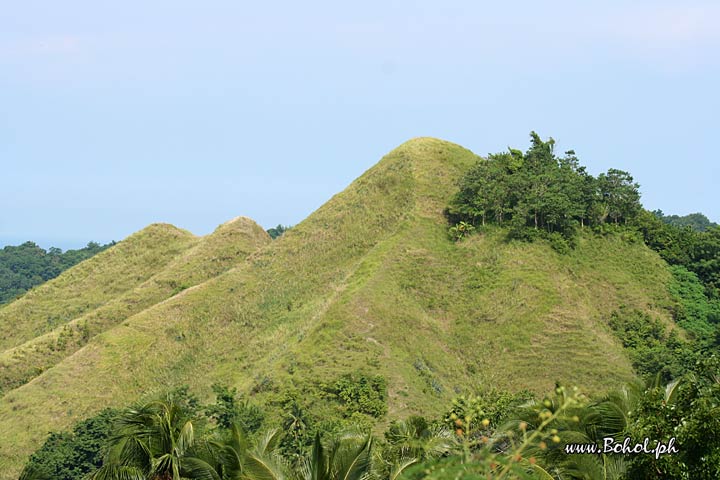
(484, 432)
(25, 266)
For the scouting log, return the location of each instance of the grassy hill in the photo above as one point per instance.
(368, 282)
(206, 258)
(91, 284)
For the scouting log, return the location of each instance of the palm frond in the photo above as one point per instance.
(262, 467)
(117, 472)
(31, 472)
(671, 391)
(197, 469)
(268, 442)
(135, 453)
(400, 466)
(352, 460)
(186, 438)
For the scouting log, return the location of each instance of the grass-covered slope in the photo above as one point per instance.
(91, 283)
(369, 281)
(227, 246)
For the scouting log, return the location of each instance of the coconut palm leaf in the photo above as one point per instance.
(186, 438)
(400, 466)
(117, 472)
(316, 465)
(671, 390)
(197, 469)
(352, 458)
(135, 453)
(541, 473)
(31, 472)
(262, 467)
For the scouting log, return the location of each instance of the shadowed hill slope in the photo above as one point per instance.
(369, 281)
(227, 246)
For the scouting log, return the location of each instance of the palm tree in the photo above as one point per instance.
(237, 459)
(156, 441)
(586, 423)
(31, 472)
(346, 456)
(413, 440)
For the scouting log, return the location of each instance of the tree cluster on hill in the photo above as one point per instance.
(698, 251)
(696, 221)
(276, 232)
(541, 190)
(538, 192)
(24, 266)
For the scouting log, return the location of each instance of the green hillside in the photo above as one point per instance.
(369, 281)
(92, 283)
(25, 266)
(229, 244)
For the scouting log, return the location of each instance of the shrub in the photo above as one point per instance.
(362, 393)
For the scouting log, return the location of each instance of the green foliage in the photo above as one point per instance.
(494, 435)
(699, 252)
(696, 221)
(460, 231)
(688, 411)
(24, 266)
(481, 468)
(72, 455)
(541, 190)
(411, 440)
(361, 393)
(513, 451)
(569, 417)
(342, 457)
(276, 232)
(230, 409)
(492, 405)
(694, 311)
(651, 348)
(619, 195)
(559, 243)
(297, 425)
(158, 440)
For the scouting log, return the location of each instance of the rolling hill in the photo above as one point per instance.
(205, 258)
(91, 284)
(370, 282)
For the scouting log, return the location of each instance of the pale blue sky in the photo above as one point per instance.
(114, 115)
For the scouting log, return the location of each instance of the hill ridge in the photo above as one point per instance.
(238, 238)
(114, 270)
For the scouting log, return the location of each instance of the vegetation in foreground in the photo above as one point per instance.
(491, 435)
